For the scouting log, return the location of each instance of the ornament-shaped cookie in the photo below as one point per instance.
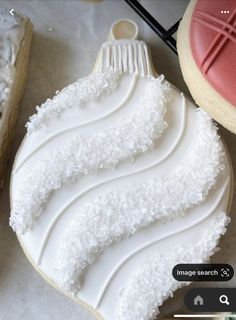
(119, 178)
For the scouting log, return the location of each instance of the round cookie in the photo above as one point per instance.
(119, 178)
(206, 46)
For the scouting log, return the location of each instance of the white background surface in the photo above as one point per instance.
(58, 58)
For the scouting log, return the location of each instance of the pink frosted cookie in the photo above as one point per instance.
(206, 44)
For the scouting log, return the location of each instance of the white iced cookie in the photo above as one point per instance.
(15, 39)
(119, 178)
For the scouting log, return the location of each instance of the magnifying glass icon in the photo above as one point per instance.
(224, 299)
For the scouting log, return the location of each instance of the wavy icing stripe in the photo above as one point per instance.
(152, 282)
(158, 239)
(74, 96)
(118, 214)
(131, 135)
(77, 197)
(60, 132)
(117, 57)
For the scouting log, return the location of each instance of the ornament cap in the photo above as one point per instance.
(123, 29)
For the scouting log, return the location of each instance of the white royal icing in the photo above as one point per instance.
(76, 95)
(83, 155)
(80, 124)
(154, 164)
(116, 57)
(119, 213)
(126, 56)
(11, 33)
(157, 239)
(82, 162)
(152, 281)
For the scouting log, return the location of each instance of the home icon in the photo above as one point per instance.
(198, 301)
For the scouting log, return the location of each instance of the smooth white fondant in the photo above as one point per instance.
(101, 283)
(12, 28)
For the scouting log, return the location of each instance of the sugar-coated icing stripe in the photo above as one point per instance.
(159, 239)
(151, 283)
(78, 196)
(117, 214)
(74, 96)
(82, 124)
(129, 137)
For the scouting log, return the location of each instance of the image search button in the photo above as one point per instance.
(203, 272)
(224, 299)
